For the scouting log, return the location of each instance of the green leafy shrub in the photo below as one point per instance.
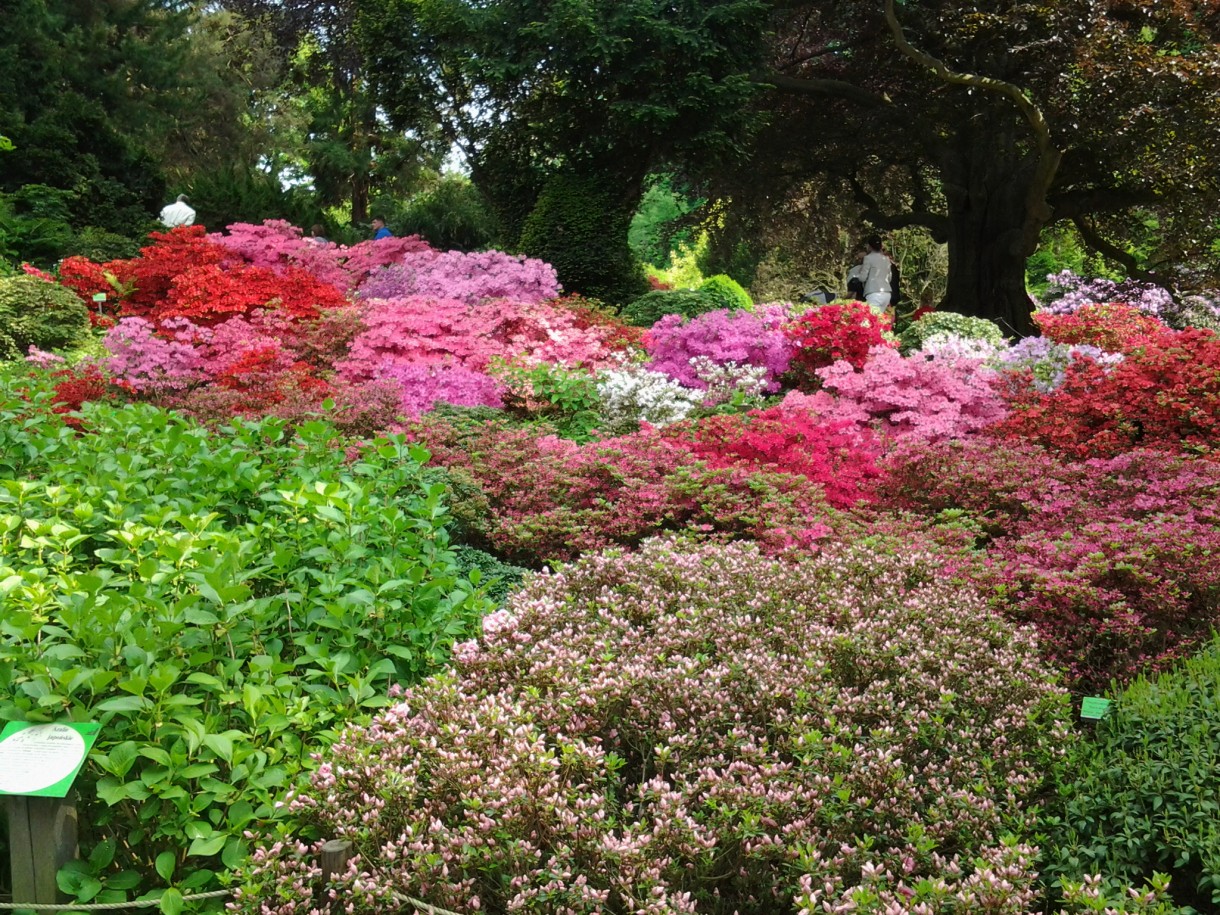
(948, 322)
(34, 312)
(1141, 796)
(221, 605)
(450, 216)
(564, 398)
(580, 228)
(651, 307)
(727, 292)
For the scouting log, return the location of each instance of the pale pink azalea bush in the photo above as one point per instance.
(697, 730)
(469, 278)
(914, 398)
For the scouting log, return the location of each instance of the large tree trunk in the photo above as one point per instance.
(987, 181)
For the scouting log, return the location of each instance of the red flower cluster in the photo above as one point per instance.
(1112, 326)
(1164, 395)
(822, 336)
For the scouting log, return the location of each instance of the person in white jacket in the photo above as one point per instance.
(876, 276)
(178, 213)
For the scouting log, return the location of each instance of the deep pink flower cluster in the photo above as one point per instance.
(418, 329)
(1112, 559)
(741, 337)
(689, 730)
(469, 278)
(913, 398)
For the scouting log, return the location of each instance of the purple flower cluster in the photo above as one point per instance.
(695, 729)
(1047, 361)
(424, 386)
(742, 337)
(1068, 292)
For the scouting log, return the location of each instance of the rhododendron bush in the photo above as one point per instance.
(469, 278)
(721, 337)
(689, 730)
(847, 331)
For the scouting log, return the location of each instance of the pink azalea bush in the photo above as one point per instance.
(469, 278)
(697, 730)
(909, 398)
(721, 337)
(422, 330)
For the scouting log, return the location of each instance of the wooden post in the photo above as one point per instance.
(42, 839)
(335, 855)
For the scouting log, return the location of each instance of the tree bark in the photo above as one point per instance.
(987, 180)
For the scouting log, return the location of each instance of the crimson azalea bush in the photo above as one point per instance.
(551, 498)
(836, 455)
(1112, 560)
(1112, 326)
(740, 337)
(698, 730)
(845, 331)
(1164, 394)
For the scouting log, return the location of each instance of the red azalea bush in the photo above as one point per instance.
(829, 333)
(552, 498)
(1113, 326)
(211, 293)
(835, 455)
(1164, 395)
(698, 729)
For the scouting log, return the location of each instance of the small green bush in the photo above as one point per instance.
(948, 322)
(1143, 796)
(34, 312)
(223, 604)
(727, 291)
(649, 308)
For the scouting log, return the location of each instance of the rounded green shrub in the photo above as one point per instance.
(34, 312)
(1141, 797)
(727, 291)
(948, 322)
(651, 307)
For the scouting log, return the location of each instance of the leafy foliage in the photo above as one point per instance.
(221, 605)
(946, 322)
(34, 312)
(652, 306)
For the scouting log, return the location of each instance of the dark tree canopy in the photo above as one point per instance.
(984, 123)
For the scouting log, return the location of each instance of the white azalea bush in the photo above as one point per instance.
(633, 394)
(698, 730)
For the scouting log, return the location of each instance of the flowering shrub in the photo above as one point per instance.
(554, 499)
(729, 381)
(632, 394)
(913, 398)
(950, 347)
(565, 399)
(1113, 327)
(740, 337)
(278, 245)
(1112, 560)
(1164, 395)
(423, 386)
(155, 364)
(693, 730)
(948, 322)
(1068, 292)
(837, 456)
(469, 278)
(844, 331)
(424, 330)
(1046, 362)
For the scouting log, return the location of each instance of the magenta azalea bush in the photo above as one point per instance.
(697, 730)
(743, 338)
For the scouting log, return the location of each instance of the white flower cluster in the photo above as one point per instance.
(632, 395)
(950, 347)
(725, 380)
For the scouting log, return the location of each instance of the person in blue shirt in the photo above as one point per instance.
(379, 229)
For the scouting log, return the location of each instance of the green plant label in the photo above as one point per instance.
(1093, 707)
(41, 760)
(99, 297)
